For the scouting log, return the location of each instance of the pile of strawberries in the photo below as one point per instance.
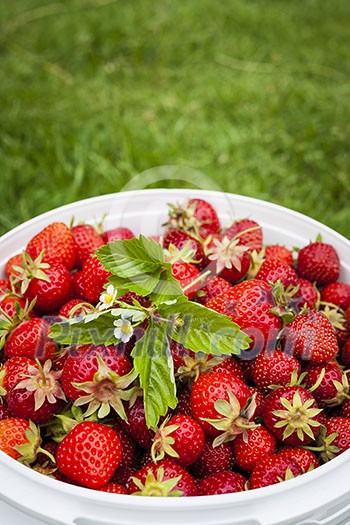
(280, 409)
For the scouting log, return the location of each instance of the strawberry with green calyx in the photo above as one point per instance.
(248, 232)
(38, 396)
(195, 216)
(179, 240)
(250, 448)
(334, 438)
(306, 459)
(213, 286)
(195, 364)
(5, 287)
(56, 242)
(53, 291)
(222, 483)
(120, 233)
(180, 438)
(163, 479)
(12, 262)
(12, 372)
(94, 278)
(188, 276)
(76, 308)
(273, 469)
(275, 369)
(277, 251)
(31, 339)
(89, 454)
(21, 440)
(86, 240)
(222, 406)
(213, 459)
(13, 311)
(338, 320)
(318, 262)
(328, 384)
(337, 293)
(62, 423)
(308, 296)
(292, 415)
(229, 259)
(31, 269)
(273, 270)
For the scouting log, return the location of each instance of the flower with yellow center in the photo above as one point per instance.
(108, 298)
(123, 329)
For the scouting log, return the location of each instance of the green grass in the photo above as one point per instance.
(253, 93)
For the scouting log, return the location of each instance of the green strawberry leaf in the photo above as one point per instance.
(167, 288)
(203, 330)
(154, 364)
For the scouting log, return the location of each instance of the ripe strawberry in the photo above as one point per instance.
(180, 240)
(259, 401)
(311, 337)
(70, 309)
(338, 320)
(249, 304)
(229, 259)
(97, 375)
(192, 365)
(123, 475)
(117, 234)
(86, 241)
(328, 384)
(250, 449)
(345, 409)
(165, 478)
(13, 371)
(184, 402)
(248, 366)
(275, 251)
(5, 413)
(338, 294)
(10, 304)
(221, 483)
(114, 488)
(181, 438)
(213, 286)
(89, 454)
(307, 295)
(38, 396)
(335, 438)
(304, 458)
(291, 414)
(185, 273)
(50, 296)
(31, 339)
(56, 240)
(78, 284)
(272, 470)
(230, 365)
(213, 459)
(319, 263)
(218, 400)
(128, 446)
(345, 354)
(94, 278)
(275, 368)
(15, 260)
(136, 424)
(20, 439)
(248, 232)
(195, 216)
(273, 270)
(5, 286)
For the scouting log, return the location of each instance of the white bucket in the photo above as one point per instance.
(318, 497)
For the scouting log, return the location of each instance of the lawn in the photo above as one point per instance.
(253, 93)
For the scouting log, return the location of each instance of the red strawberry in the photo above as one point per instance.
(123, 475)
(304, 458)
(136, 424)
(89, 454)
(97, 375)
(51, 295)
(311, 337)
(319, 263)
(275, 368)
(38, 396)
(345, 409)
(192, 365)
(56, 240)
(195, 216)
(229, 259)
(272, 470)
(291, 414)
(250, 449)
(184, 402)
(70, 309)
(338, 294)
(213, 459)
(230, 365)
(275, 251)
(259, 401)
(165, 478)
(273, 270)
(10, 304)
(31, 339)
(117, 234)
(94, 278)
(5, 286)
(13, 371)
(345, 354)
(248, 366)
(185, 273)
(218, 400)
(20, 439)
(78, 284)
(248, 232)
(86, 241)
(128, 447)
(249, 304)
(181, 438)
(213, 286)
(15, 260)
(338, 320)
(114, 488)
(221, 483)
(180, 240)
(328, 384)
(335, 438)
(307, 295)
(5, 413)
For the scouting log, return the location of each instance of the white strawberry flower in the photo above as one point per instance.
(123, 329)
(227, 253)
(108, 298)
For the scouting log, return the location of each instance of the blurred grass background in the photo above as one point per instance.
(253, 93)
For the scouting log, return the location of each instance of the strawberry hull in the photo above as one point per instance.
(316, 497)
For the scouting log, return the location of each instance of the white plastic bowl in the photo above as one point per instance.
(318, 497)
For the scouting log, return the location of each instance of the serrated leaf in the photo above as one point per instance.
(98, 330)
(154, 364)
(167, 287)
(131, 257)
(201, 329)
(142, 284)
